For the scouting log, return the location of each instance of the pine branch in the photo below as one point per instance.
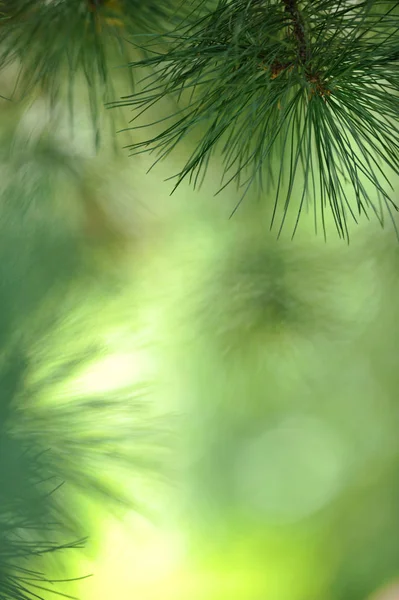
(30, 526)
(57, 42)
(87, 441)
(300, 94)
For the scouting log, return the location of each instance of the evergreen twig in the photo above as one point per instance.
(303, 91)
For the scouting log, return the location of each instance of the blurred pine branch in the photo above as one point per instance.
(59, 43)
(48, 441)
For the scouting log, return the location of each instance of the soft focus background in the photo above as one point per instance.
(269, 368)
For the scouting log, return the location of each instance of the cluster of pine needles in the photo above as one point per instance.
(59, 43)
(298, 97)
(58, 444)
(30, 528)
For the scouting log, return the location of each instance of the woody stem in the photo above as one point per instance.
(291, 7)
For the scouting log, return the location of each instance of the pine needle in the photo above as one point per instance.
(309, 86)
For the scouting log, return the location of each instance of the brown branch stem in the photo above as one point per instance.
(291, 7)
(299, 32)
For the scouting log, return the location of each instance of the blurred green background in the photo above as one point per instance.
(272, 366)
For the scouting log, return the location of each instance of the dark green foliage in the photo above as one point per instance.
(300, 96)
(37, 254)
(49, 438)
(28, 530)
(60, 41)
(30, 525)
(94, 437)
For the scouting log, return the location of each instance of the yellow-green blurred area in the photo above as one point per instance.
(255, 380)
